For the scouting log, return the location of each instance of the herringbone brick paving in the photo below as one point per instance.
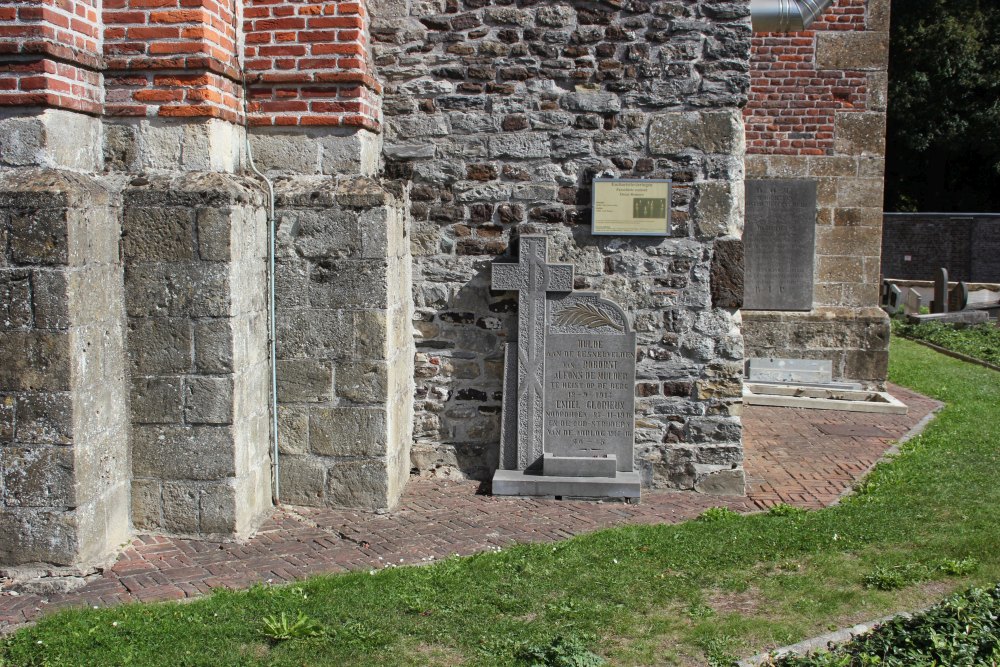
(791, 456)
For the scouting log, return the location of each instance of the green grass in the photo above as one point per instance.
(694, 593)
(981, 341)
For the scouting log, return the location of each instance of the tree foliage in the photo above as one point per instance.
(944, 106)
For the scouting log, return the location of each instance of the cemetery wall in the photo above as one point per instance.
(498, 117)
(915, 245)
(817, 111)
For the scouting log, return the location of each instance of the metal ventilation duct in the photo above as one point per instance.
(785, 15)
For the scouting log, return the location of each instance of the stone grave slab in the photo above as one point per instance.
(780, 241)
(913, 302)
(958, 297)
(770, 369)
(568, 423)
(940, 302)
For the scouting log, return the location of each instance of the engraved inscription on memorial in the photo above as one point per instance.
(568, 423)
(779, 237)
(589, 380)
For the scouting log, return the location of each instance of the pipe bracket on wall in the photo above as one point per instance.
(786, 15)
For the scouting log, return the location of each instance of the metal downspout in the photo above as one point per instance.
(786, 15)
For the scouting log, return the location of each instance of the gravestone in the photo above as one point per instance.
(769, 369)
(568, 426)
(958, 297)
(780, 239)
(940, 302)
(914, 301)
(895, 300)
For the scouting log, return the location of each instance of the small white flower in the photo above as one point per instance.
(114, 624)
(615, 561)
(371, 572)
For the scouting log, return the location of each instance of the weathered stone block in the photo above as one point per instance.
(723, 483)
(304, 380)
(182, 452)
(50, 299)
(181, 508)
(362, 382)
(859, 133)
(708, 131)
(718, 208)
(303, 480)
(208, 400)
(45, 418)
(159, 345)
(34, 361)
(727, 273)
(191, 289)
(37, 476)
(40, 237)
(214, 234)
(852, 50)
(147, 504)
(218, 509)
(156, 400)
(213, 345)
(348, 431)
(349, 284)
(360, 484)
(15, 300)
(159, 234)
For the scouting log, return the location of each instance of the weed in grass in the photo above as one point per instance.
(280, 628)
(714, 514)
(783, 509)
(560, 652)
(891, 578)
(958, 567)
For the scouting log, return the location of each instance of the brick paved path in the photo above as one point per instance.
(803, 457)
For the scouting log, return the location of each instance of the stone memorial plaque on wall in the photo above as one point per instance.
(780, 241)
(589, 380)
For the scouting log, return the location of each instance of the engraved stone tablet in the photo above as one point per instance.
(780, 239)
(568, 423)
(589, 379)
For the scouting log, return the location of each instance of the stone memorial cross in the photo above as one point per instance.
(532, 278)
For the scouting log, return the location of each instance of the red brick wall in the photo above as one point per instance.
(172, 58)
(792, 101)
(309, 64)
(50, 54)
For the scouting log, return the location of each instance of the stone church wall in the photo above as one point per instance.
(64, 454)
(499, 116)
(817, 111)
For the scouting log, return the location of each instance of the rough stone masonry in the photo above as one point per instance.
(408, 144)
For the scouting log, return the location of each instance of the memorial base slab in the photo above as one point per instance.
(623, 485)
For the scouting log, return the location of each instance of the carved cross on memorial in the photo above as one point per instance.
(532, 278)
(568, 426)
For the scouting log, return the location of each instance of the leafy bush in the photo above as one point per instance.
(981, 341)
(963, 630)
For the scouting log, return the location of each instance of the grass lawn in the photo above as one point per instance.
(689, 594)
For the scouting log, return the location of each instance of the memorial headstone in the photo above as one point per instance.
(571, 430)
(779, 239)
(958, 297)
(940, 302)
(914, 301)
(895, 301)
(769, 369)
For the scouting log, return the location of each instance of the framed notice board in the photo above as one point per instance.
(631, 207)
